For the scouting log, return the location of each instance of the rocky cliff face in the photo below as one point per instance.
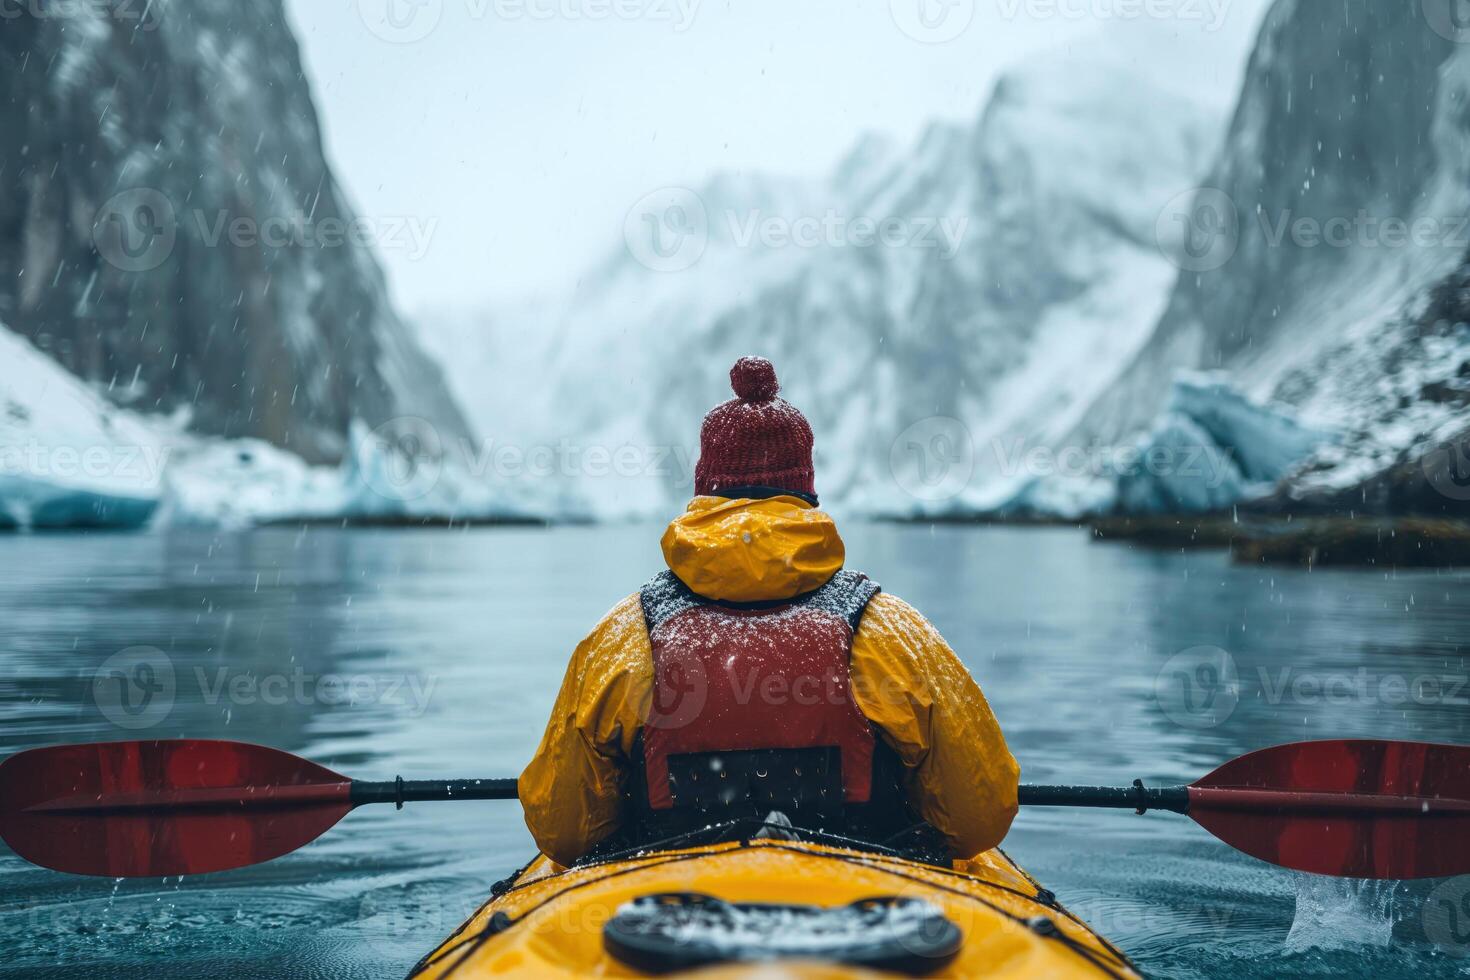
(171, 232)
(1337, 206)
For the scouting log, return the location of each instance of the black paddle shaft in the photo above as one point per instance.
(1174, 799)
(401, 791)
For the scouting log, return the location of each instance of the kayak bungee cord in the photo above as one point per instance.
(500, 923)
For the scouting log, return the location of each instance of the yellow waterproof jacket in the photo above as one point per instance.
(905, 679)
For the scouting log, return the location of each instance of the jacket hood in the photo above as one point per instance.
(752, 550)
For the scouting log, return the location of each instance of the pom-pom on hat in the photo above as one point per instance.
(756, 442)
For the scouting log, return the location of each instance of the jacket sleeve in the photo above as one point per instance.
(572, 790)
(909, 683)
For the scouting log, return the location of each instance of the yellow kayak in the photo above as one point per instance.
(774, 908)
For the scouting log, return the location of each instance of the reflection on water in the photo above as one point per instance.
(438, 654)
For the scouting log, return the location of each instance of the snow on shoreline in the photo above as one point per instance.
(71, 460)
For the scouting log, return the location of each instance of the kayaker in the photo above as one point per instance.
(757, 681)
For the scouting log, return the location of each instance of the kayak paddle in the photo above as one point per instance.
(1352, 808)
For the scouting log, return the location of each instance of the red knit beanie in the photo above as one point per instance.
(756, 441)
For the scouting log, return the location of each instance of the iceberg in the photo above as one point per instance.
(1211, 449)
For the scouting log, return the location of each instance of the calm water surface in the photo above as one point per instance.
(438, 654)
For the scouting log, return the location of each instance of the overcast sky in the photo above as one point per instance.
(501, 143)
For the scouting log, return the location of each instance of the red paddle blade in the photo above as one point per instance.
(1352, 808)
(144, 809)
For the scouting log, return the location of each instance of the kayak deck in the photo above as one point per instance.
(549, 921)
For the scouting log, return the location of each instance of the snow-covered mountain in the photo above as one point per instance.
(1021, 276)
(171, 232)
(1335, 285)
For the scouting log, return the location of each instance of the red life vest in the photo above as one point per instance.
(737, 678)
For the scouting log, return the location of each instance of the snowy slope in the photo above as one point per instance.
(67, 458)
(71, 459)
(1025, 277)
